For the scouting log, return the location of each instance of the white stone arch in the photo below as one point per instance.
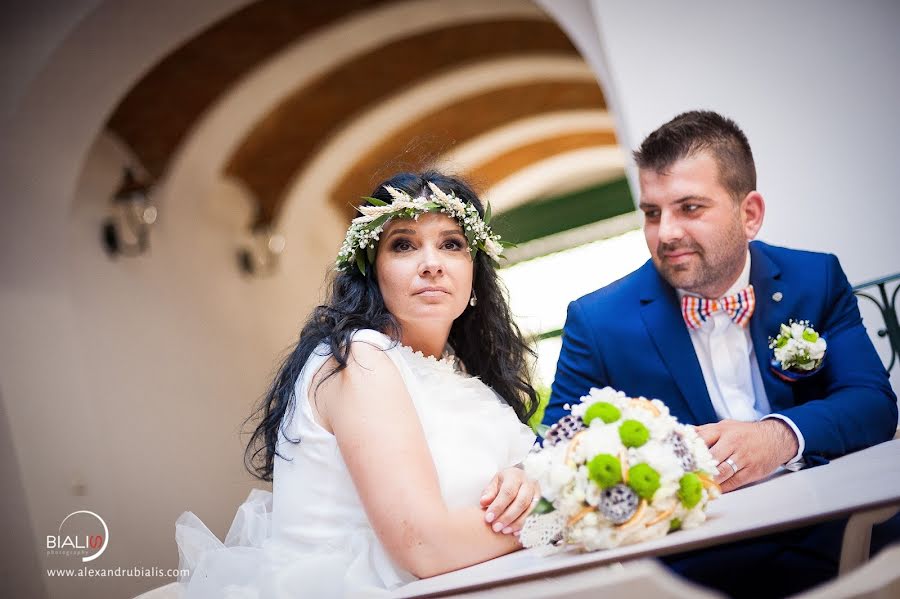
(197, 167)
(558, 174)
(304, 212)
(204, 154)
(474, 152)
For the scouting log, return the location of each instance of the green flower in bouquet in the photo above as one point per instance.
(605, 470)
(644, 480)
(633, 433)
(603, 410)
(690, 490)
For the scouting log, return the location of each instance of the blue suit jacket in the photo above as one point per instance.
(631, 336)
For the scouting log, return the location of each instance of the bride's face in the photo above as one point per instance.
(424, 269)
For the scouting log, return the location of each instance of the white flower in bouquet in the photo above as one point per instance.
(618, 470)
(549, 470)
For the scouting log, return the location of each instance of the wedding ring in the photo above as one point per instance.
(731, 463)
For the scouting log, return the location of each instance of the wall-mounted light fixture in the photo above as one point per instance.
(126, 232)
(260, 254)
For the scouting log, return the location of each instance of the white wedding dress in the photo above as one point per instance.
(310, 537)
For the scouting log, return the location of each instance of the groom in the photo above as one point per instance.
(650, 334)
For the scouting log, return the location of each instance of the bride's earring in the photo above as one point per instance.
(473, 300)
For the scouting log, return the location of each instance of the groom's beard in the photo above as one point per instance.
(713, 269)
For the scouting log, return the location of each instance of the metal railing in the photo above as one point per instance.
(887, 305)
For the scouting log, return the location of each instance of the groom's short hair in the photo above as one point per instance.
(697, 131)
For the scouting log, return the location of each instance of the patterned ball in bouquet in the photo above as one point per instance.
(617, 470)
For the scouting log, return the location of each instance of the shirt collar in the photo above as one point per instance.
(742, 281)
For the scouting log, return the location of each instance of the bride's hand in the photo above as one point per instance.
(508, 499)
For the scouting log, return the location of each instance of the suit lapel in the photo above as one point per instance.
(765, 276)
(662, 317)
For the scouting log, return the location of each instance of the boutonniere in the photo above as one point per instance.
(799, 350)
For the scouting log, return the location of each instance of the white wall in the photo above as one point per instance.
(103, 410)
(172, 361)
(126, 384)
(813, 83)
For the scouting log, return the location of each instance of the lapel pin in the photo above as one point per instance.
(777, 296)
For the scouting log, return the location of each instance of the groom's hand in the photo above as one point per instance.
(756, 449)
(508, 500)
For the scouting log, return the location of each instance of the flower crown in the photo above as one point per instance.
(362, 236)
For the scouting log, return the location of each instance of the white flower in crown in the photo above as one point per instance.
(362, 236)
(798, 347)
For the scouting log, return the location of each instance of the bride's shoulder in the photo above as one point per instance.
(372, 352)
(360, 340)
(372, 368)
(372, 337)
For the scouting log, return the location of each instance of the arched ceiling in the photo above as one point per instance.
(158, 112)
(505, 164)
(435, 132)
(157, 115)
(291, 133)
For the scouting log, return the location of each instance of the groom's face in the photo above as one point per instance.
(693, 226)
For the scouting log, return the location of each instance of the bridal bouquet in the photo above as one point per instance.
(615, 471)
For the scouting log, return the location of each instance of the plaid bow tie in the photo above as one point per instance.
(697, 310)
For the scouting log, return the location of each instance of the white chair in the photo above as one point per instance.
(643, 578)
(877, 579)
(858, 536)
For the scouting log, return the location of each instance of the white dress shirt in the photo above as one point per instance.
(731, 371)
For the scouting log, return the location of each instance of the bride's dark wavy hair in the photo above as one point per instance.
(484, 337)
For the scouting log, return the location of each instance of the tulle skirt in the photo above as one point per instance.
(252, 564)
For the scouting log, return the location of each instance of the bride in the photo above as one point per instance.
(392, 431)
